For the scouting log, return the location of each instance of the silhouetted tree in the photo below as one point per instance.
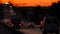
(58, 10)
(37, 11)
(54, 9)
(58, 7)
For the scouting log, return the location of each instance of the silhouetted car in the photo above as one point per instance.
(31, 25)
(51, 25)
(15, 22)
(5, 29)
(15, 26)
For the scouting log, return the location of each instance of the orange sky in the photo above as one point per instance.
(29, 2)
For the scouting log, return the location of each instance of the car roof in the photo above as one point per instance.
(51, 17)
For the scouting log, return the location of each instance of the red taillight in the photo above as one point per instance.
(12, 24)
(19, 24)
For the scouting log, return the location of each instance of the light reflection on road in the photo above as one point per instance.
(31, 31)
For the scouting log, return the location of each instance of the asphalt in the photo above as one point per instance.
(4, 29)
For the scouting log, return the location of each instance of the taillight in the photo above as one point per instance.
(12, 24)
(19, 24)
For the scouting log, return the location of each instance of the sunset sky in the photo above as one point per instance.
(29, 2)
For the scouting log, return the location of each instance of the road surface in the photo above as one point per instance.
(32, 31)
(4, 29)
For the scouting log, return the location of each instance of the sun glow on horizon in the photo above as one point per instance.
(29, 2)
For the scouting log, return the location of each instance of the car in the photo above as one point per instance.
(31, 25)
(51, 25)
(15, 26)
(15, 21)
(7, 21)
(20, 25)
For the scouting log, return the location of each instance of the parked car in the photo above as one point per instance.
(31, 25)
(51, 25)
(7, 21)
(15, 21)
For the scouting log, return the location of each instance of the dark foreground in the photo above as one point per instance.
(4, 29)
